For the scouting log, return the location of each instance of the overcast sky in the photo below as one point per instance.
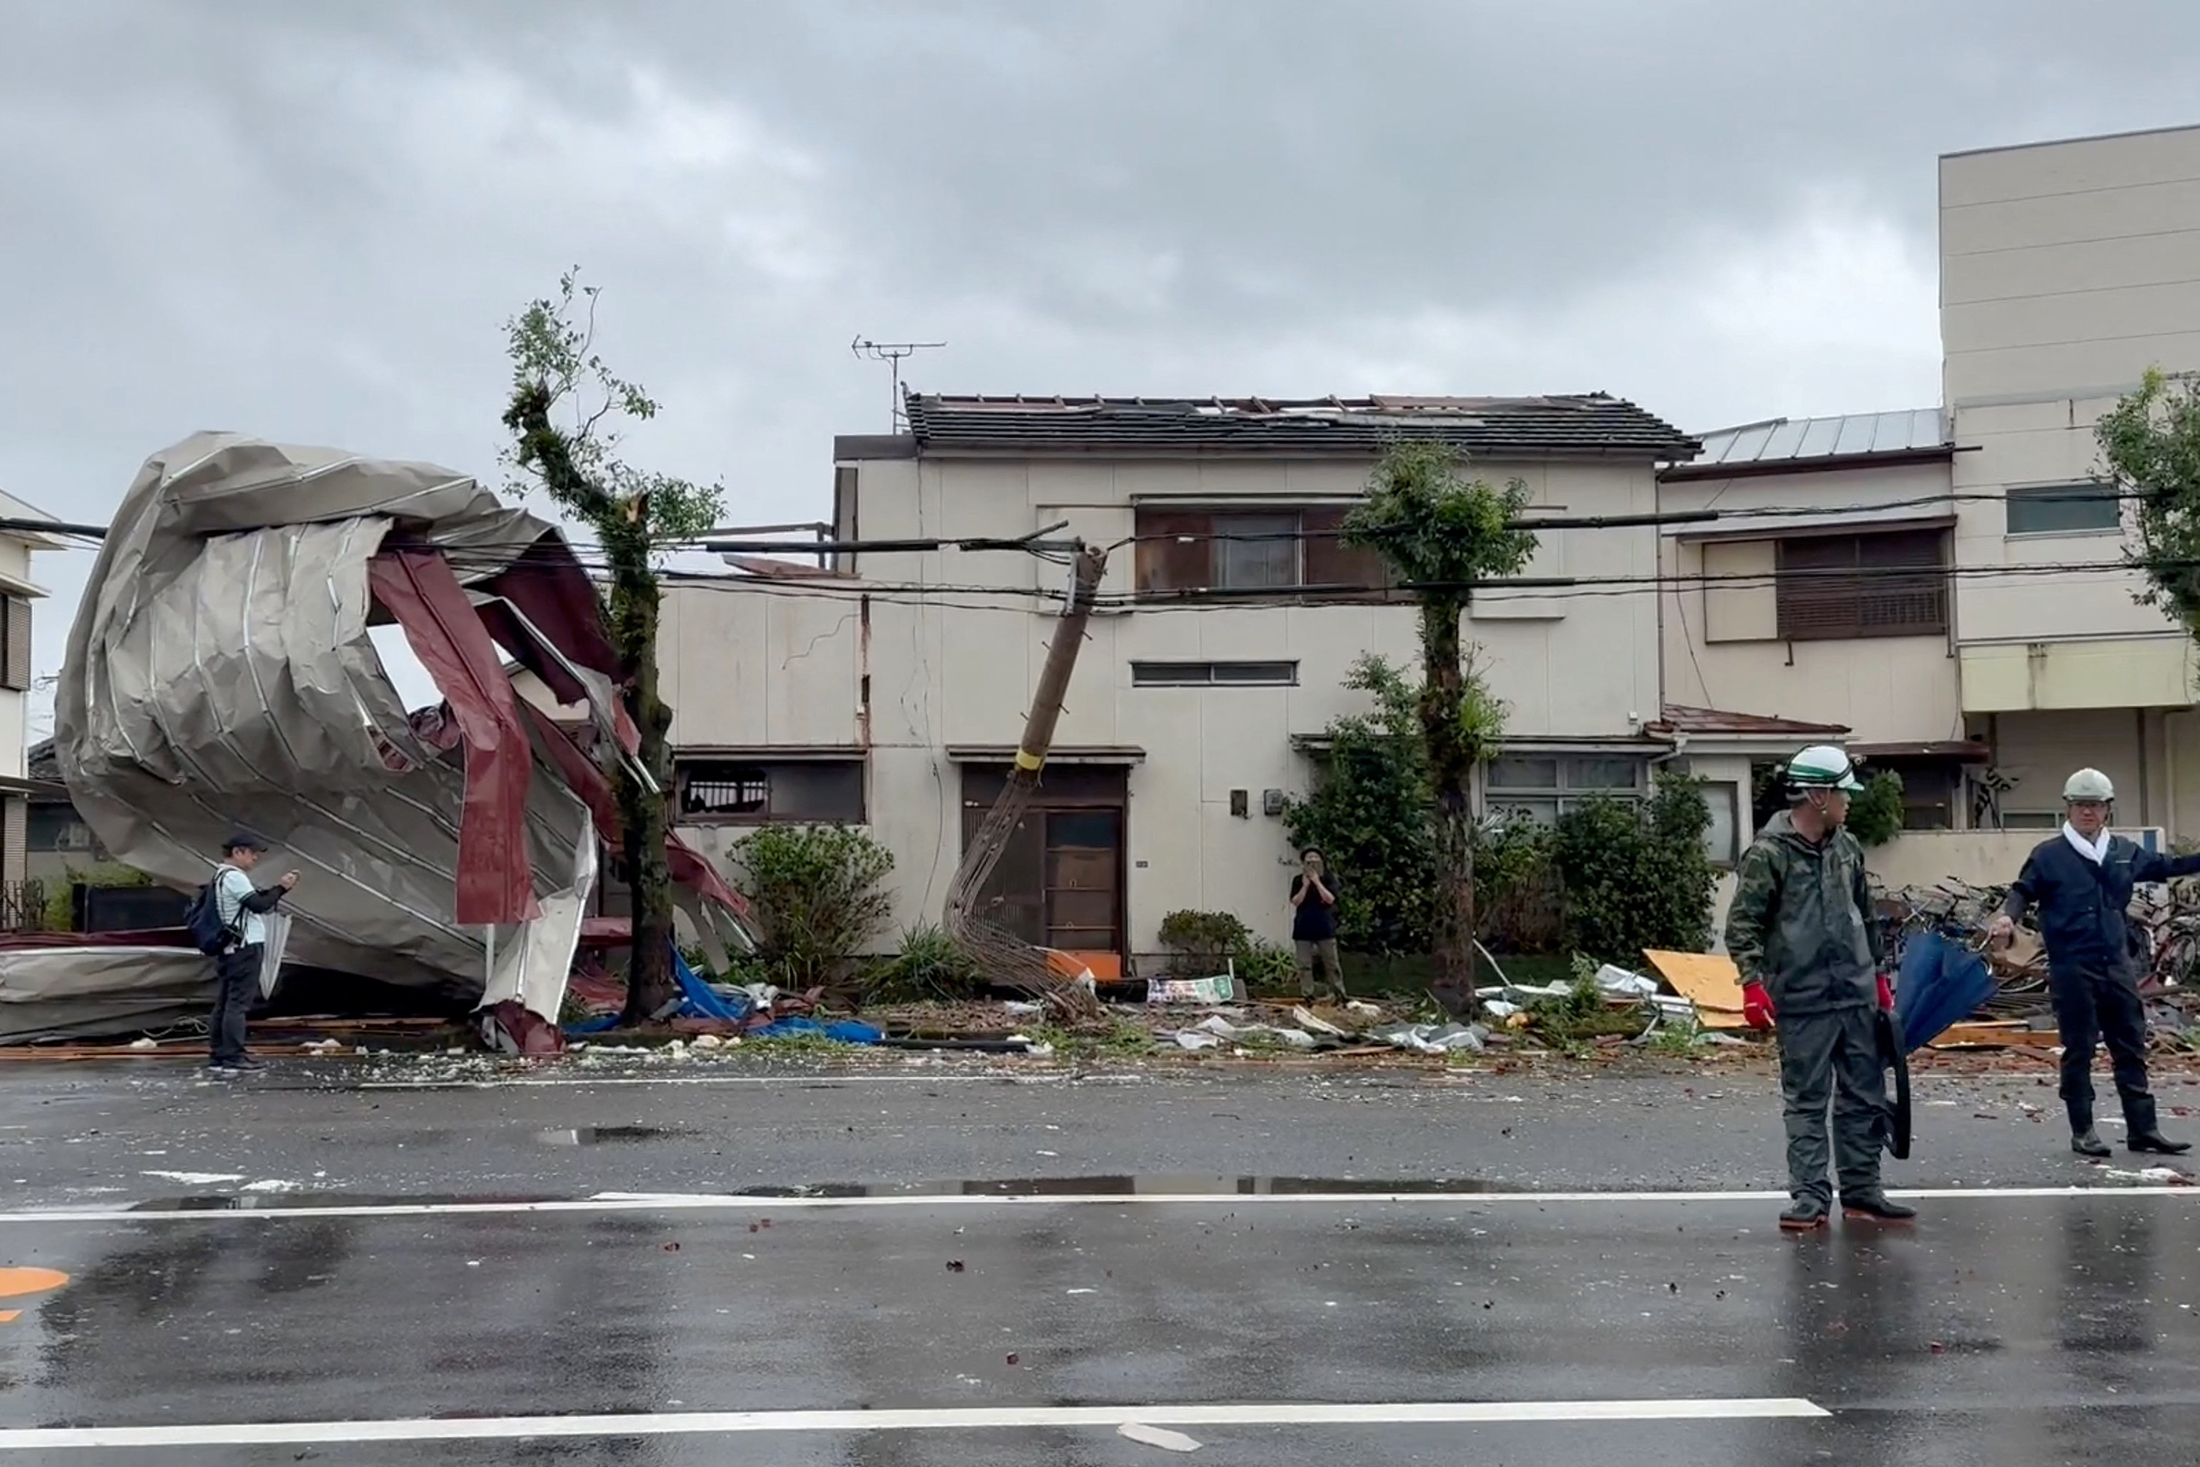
(309, 219)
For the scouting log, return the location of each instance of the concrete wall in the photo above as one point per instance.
(1973, 857)
(2069, 266)
(2066, 271)
(1722, 648)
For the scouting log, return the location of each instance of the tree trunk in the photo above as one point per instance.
(645, 815)
(1451, 769)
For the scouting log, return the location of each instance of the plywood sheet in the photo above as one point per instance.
(1710, 982)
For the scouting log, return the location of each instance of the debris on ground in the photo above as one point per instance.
(1154, 1436)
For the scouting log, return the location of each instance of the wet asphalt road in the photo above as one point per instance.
(2015, 1330)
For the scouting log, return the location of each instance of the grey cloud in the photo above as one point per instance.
(309, 220)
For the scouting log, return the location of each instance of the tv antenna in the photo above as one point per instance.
(892, 353)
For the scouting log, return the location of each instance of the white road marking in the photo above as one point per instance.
(248, 1208)
(814, 1081)
(717, 1423)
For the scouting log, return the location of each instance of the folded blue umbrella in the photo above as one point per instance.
(1943, 983)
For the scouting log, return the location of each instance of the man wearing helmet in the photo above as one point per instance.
(1802, 932)
(2081, 883)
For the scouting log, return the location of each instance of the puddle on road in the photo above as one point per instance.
(602, 1135)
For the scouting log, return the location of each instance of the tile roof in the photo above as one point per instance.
(1591, 425)
(1750, 725)
(1800, 440)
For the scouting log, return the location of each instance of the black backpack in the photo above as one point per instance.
(209, 934)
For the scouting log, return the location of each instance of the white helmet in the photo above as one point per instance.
(2089, 786)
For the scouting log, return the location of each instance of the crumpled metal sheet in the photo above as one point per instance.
(220, 674)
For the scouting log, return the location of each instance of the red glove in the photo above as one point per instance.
(1886, 994)
(1756, 1006)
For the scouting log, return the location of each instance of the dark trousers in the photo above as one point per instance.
(2090, 1008)
(1325, 950)
(236, 984)
(1832, 1058)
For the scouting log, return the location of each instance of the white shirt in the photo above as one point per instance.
(2094, 852)
(232, 887)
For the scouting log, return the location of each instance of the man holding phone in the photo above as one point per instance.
(1314, 925)
(241, 907)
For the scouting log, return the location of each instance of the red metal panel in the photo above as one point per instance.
(495, 877)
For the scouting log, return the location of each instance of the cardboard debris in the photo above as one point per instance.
(1709, 981)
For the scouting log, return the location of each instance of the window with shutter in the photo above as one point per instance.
(1330, 562)
(1888, 584)
(1175, 550)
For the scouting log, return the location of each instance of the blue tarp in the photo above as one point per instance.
(698, 1000)
(1943, 983)
(845, 1031)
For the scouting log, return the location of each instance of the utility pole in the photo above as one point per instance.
(1000, 954)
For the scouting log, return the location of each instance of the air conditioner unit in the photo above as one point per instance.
(2145, 837)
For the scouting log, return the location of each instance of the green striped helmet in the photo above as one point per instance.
(1822, 767)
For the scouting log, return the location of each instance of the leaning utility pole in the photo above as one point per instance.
(1000, 954)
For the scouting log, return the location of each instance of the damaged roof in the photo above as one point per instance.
(1714, 721)
(1589, 425)
(1782, 445)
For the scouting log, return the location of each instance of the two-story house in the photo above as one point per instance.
(1821, 599)
(891, 688)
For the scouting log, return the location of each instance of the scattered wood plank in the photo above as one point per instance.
(1710, 982)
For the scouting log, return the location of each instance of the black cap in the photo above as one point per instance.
(245, 841)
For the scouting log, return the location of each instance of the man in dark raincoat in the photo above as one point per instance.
(1804, 936)
(2081, 883)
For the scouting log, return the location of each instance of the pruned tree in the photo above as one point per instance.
(2150, 447)
(567, 416)
(1441, 532)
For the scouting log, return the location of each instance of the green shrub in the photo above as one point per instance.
(1637, 875)
(1371, 813)
(1201, 942)
(818, 893)
(1875, 813)
(1264, 966)
(930, 966)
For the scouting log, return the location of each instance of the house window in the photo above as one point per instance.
(2064, 509)
(1251, 550)
(1723, 839)
(1890, 584)
(1214, 674)
(745, 792)
(1543, 787)
(55, 827)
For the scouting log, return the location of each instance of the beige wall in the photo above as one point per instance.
(1722, 648)
(2069, 266)
(2066, 271)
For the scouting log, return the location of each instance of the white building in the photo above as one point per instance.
(2067, 269)
(1989, 640)
(891, 690)
(19, 540)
